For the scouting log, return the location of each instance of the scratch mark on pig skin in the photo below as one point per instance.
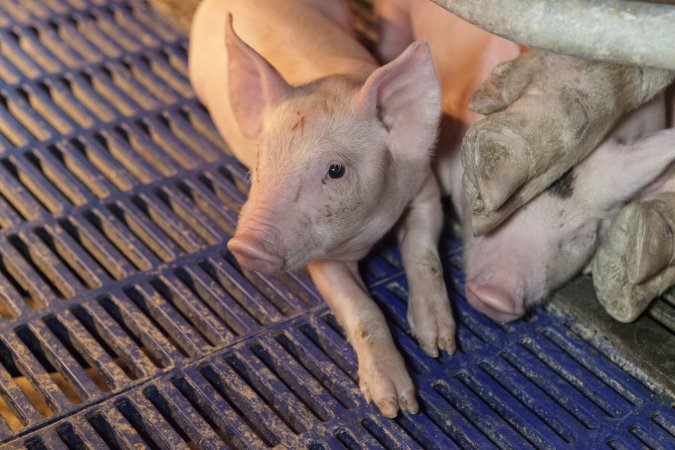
(297, 194)
(300, 124)
(564, 187)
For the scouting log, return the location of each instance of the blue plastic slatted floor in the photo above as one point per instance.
(126, 323)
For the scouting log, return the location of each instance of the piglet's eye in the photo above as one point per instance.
(336, 171)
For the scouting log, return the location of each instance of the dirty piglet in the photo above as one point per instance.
(339, 151)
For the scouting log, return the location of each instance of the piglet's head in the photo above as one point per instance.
(338, 159)
(551, 239)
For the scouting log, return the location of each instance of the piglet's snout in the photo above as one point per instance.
(251, 254)
(493, 301)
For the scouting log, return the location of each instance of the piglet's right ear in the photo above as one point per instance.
(405, 95)
(254, 84)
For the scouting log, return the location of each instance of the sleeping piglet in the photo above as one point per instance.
(551, 238)
(339, 151)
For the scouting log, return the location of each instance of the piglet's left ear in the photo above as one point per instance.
(405, 96)
(254, 84)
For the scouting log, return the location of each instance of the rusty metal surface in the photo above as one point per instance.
(125, 322)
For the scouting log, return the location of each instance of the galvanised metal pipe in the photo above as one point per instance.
(628, 32)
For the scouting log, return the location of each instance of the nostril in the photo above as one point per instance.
(251, 254)
(493, 301)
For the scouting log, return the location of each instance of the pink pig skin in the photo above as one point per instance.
(297, 98)
(549, 240)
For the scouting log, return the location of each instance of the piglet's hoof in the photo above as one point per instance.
(384, 380)
(432, 324)
(635, 263)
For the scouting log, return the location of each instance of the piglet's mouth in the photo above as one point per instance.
(251, 255)
(493, 301)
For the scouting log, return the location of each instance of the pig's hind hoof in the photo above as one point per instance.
(636, 262)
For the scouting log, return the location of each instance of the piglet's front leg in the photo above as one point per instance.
(383, 378)
(429, 314)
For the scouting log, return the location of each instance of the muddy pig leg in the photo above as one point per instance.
(429, 314)
(636, 263)
(393, 26)
(383, 378)
(546, 113)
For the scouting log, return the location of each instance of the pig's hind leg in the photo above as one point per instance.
(394, 28)
(546, 113)
(636, 263)
(383, 378)
(429, 313)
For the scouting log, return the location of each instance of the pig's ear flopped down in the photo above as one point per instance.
(405, 96)
(254, 84)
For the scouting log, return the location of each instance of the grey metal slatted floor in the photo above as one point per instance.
(126, 323)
